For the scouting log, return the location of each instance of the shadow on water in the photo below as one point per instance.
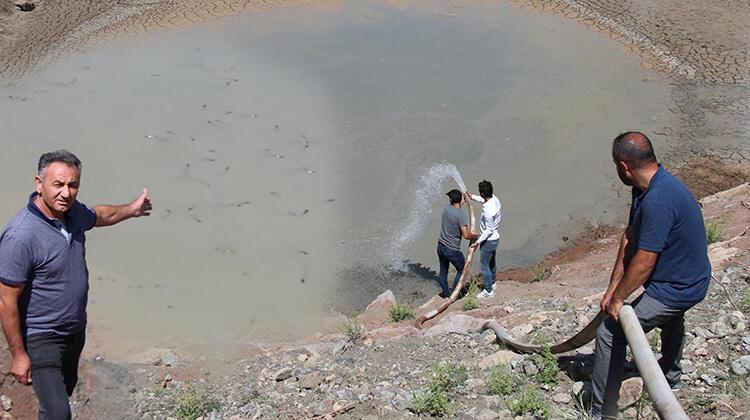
(360, 284)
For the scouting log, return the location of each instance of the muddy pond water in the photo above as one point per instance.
(283, 151)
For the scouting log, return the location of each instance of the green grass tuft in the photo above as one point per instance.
(549, 371)
(193, 401)
(540, 273)
(714, 230)
(528, 402)
(501, 381)
(470, 299)
(400, 311)
(353, 329)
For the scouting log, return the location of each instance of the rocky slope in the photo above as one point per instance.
(450, 367)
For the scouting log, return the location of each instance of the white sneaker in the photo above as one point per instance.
(484, 295)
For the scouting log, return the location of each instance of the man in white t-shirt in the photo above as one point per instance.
(489, 236)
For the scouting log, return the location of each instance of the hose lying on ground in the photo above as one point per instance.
(659, 391)
(584, 336)
(461, 281)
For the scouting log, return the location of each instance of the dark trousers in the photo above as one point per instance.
(609, 352)
(449, 256)
(54, 371)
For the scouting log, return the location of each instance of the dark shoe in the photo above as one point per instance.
(677, 386)
(444, 296)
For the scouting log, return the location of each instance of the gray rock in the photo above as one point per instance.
(6, 402)
(741, 366)
(310, 381)
(561, 398)
(282, 374)
(721, 326)
(487, 414)
(500, 358)
(340, 347)
(708, 379)
(687, 367)
(530, 368)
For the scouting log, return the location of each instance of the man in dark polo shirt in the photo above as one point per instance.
(454, 227)
(44, 280)
(664, 249)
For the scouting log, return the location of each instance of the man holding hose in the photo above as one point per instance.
(665, 250)
(489, 236)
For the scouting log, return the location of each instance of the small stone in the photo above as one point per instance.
(561, 398)
(687, 366)
(741, 366)
(630, 392)
(282, 374)
(708, 379)
(702, 352)
(499, 358)
(474, 384)
(530, 368)
(6, 402)
(740, 326)
(487, 414)
(310, 381)
(4, 415)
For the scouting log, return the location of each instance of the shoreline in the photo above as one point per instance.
(706, 171)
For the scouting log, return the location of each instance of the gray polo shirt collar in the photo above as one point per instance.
(58, 225)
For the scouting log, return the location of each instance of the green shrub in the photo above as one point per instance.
(353, 329)
(549, 372)
(501, 381)
(540, 273)
(193, 401)
(528, 402)
(444, 378)
(470, 299)
(714, 231)
(400, 311)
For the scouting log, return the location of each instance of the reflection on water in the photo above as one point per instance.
(283, 149)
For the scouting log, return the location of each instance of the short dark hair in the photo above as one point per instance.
(454, 196)
(485, 188)
(634, 148)
(63, 156)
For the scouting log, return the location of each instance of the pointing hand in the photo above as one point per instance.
(142, 205)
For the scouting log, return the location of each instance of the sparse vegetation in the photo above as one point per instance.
(193, 401)
(251, 393)
(540, 273)
(714, 230)
(400, 311)
(353, 329)
(654, 340)
(470, 299)
(434, 403)
(744, 305)
(528, 402)
(433, 400)
(565, 306)
(501, 381)
(549, 371)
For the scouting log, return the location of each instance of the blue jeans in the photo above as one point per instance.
(487, 256)
(452, 256)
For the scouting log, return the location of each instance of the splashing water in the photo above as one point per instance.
(427, 194)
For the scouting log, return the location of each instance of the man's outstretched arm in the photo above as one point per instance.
(107, 215)
(10, 319)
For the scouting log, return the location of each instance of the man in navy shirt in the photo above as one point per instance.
(44, 280)
(664, 249)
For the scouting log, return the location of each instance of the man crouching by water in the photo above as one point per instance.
(44, 280)
(665, 249)
(453, 229)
